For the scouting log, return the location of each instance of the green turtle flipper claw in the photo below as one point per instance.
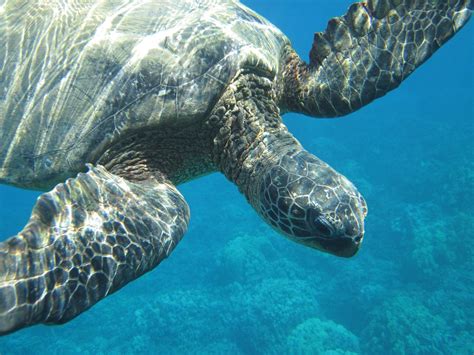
(368, 52)
(85, 239)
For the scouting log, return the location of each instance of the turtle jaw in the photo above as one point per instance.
(333, 242)
(345, 247)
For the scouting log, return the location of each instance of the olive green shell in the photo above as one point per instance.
(77, 76)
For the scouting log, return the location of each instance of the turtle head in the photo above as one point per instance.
(312, 204)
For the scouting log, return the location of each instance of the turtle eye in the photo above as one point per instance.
(320, 224)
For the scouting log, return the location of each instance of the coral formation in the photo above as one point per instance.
(316, 336)
(403, 325)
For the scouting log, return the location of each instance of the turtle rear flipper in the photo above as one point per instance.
(368, 52)
(86, 238)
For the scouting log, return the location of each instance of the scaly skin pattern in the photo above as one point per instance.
(86, 239)
(184, 155)
(368, 52)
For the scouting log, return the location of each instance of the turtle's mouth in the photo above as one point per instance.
(345, 247)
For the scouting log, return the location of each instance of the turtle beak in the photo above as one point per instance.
(345, 247)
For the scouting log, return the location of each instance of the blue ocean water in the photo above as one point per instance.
(234, 286)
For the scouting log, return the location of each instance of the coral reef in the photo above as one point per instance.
(316, 336)
(403, 325)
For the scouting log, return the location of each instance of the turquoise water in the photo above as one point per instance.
(235, 286)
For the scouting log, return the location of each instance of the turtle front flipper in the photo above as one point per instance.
(86, 238)
(368, 52)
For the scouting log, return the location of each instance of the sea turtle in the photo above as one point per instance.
(110, 104)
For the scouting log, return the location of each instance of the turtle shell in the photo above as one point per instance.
(78, 76)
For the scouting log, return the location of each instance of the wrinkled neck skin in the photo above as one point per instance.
(176, 154)
(249, 133)
(292, 190)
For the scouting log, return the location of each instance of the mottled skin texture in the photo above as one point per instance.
(154, 93)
